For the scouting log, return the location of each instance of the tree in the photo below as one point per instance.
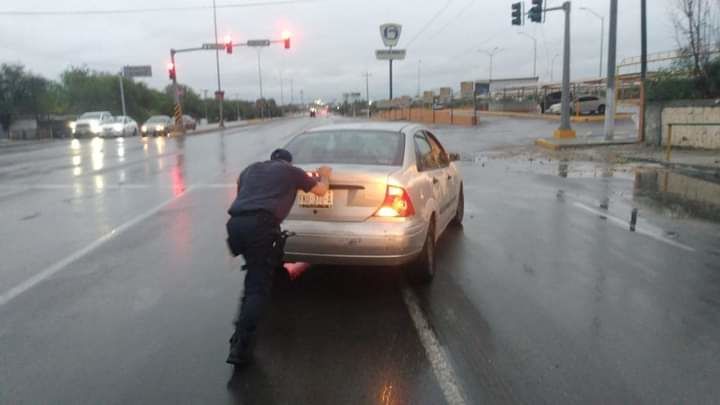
(697, 33)
(22, 93)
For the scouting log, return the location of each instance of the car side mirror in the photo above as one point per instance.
(454, 157)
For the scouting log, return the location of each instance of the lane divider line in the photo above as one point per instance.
(626, 224)
(442, 368)
(33, 281)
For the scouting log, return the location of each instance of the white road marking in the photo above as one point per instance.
(61, 264)
(626, 224)
(444, 373)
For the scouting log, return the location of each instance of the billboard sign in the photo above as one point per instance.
(390, 34)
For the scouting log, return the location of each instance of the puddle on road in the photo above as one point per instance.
(674, 194)
(681, 196)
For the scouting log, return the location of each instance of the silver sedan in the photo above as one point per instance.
(393, 191)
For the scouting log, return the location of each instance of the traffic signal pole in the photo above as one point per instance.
(565, 130)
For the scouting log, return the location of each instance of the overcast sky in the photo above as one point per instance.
(333, 44)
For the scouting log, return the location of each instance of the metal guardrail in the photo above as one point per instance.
(668, 149)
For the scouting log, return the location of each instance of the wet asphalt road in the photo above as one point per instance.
(115, 285)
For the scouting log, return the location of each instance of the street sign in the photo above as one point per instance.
(390, 54)
(213, 46)
(219, 95)
(137, 71)
(258, 42)
(390, 34)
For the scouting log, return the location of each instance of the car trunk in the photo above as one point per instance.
(358, 191)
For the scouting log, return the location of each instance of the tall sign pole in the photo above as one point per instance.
(390, 34)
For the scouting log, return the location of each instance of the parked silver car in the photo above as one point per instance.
(393, 191)
(120, 126)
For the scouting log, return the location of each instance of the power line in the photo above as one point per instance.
(429, 23)
(20, 13)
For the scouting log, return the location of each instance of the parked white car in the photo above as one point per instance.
(90, 123)
(583, 104)
(120, 126)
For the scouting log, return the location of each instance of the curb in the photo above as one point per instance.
(552, 117)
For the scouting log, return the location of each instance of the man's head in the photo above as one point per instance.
(281, 154)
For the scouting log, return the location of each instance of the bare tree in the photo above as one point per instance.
(697, 32)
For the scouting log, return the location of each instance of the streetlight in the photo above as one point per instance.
(491, 53)
(602, 35)
(534, 51)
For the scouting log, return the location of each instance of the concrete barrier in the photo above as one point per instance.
(428, 116)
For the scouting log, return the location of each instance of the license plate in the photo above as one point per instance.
(310, 200)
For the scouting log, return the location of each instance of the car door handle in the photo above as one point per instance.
(435, 180)
(449, 177)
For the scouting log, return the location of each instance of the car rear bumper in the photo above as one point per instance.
(374, 242)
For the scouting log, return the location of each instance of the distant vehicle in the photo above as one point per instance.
(189, 122)
(438, 106)
(313, 113)
(393, 192)
(120, 126)
(90, 123)
(550, 100)
(157, 125)
(582, 105)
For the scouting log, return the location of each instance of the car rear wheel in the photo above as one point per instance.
(423, 269)
(460, 211)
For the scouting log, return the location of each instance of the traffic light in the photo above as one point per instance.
(517, 14)
(171, 71)
(536, 11)
(286, 39)
(228, 44)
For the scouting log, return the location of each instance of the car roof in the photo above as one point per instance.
(366, 126)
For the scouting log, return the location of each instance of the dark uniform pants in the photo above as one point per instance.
(256, 237)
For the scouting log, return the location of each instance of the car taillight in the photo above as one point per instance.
(397, 204)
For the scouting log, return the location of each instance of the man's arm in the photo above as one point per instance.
(322, 187)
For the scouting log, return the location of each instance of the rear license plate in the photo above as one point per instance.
(310, 200)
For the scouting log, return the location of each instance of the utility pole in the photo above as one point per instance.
(292, 92)
(282, 91)
(643, 67)
(237, 105)
(302, 98)
(491, 54)
(367, 91)
(122, 93)
(534, 51)
(602, 36)
(205, 91)
(418, 77)
(612, 54)
(217, 64)
(262, 98)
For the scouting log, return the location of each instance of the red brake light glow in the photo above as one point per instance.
(397, 204)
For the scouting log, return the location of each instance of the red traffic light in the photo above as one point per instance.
(228, 44)
(286, 39)
(171, 71)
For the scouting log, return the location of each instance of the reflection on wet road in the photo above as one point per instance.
(116, 287)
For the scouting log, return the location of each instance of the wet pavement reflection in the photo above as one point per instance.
(544, 296)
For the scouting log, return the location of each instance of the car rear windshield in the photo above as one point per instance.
(90, 116)
(381, 148)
